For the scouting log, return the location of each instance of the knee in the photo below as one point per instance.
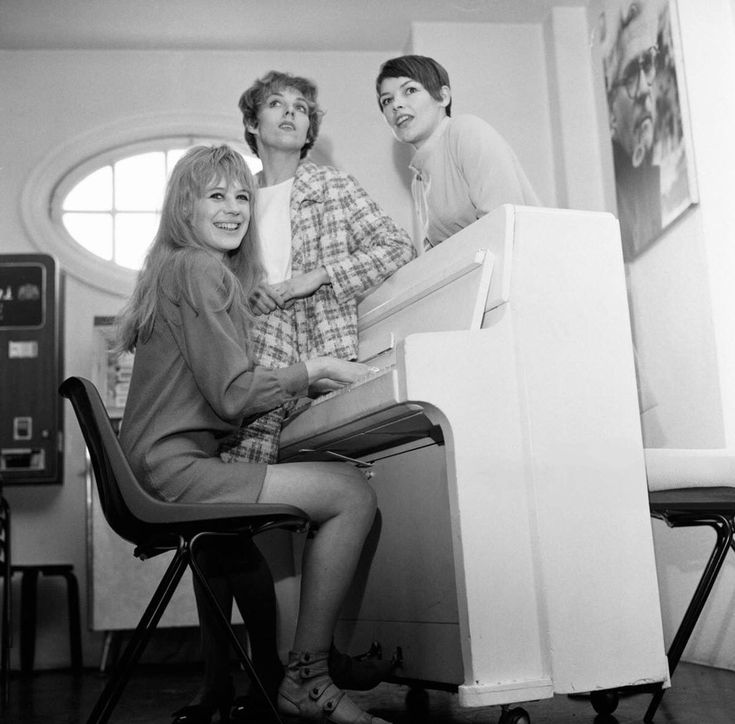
(362, 495)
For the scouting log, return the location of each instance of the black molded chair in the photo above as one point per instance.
(154, 526)
(694, 506)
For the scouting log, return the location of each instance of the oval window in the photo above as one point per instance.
(94, 201)
(111, 204)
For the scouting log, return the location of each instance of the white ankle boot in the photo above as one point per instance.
(308, 692)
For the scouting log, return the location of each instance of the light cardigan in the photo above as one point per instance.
(463, 171)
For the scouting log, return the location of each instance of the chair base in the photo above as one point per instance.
(183, 558)
(687, 507)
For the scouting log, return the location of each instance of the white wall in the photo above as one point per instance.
(681, 290)
(583, 164)
(498, 72)
(700, 254)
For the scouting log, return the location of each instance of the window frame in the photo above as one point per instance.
(43, 194)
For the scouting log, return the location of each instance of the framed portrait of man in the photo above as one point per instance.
(647, 112)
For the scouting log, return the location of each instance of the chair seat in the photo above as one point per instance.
(160, 523)
(694, 500)
(47, 569)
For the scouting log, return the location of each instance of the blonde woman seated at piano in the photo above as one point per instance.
(463, 168)
(189, 322)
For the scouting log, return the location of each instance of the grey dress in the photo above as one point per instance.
(192, 385)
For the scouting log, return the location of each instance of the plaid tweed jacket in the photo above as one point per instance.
(334, 224)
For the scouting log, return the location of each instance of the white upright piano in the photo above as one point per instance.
(513, 554)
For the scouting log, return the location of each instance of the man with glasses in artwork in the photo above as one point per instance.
(628, 35)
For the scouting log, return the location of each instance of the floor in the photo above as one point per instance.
(699, 694)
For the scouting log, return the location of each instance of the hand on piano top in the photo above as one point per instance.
(327, 374)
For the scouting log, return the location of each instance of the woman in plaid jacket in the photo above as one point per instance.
(324, 242)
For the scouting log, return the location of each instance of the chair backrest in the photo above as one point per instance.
(111, 468)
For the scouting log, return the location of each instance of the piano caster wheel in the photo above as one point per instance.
(417, 705)
(604, 701)
(514, 716)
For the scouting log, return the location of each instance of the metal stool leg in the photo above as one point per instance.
(75, 627)
(28, 596)
(5, 622)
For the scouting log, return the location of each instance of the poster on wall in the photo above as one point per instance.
(647, 112)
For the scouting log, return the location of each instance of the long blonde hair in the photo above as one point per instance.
(168, 267)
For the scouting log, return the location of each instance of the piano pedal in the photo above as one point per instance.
(374, 652)
(365, 466)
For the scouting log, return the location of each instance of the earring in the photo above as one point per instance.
(613, 123)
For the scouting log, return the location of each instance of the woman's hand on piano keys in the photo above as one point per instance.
(329, 373)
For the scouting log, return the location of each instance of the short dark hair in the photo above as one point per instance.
(274, 81)
(425, 70)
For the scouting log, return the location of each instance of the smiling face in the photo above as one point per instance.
(412, 113)
(221, 216)
(283, 121)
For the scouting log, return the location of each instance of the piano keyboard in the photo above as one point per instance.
(357, 383)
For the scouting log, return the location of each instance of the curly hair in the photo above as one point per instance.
(273, 82)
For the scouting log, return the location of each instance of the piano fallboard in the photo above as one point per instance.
(448, 288)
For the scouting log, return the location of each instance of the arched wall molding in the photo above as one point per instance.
(48, 236)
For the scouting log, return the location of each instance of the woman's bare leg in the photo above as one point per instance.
(337, 497)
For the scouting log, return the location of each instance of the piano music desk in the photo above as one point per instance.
(515, 560)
